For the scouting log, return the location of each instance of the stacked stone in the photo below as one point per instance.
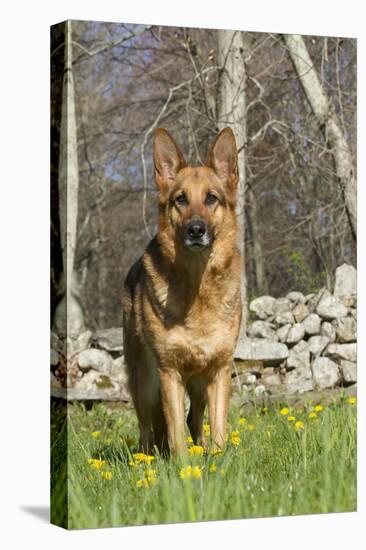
(295, 344)
(301, 343)
(94, 368)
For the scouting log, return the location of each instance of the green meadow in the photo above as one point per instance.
(279, 461)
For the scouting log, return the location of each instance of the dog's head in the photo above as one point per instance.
(196, 203)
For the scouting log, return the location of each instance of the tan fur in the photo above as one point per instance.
(181, 308)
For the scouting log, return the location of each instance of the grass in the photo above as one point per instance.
(272, 466)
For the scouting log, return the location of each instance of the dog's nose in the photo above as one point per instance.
(196, 229)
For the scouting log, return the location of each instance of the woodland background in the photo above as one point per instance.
(295, 129)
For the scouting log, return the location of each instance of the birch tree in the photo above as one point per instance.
(231, 111)
(327, 119)
(68, 318)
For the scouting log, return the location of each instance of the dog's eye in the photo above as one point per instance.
(210, 199)
(181, 199)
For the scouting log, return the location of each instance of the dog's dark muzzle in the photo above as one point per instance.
(196, 235)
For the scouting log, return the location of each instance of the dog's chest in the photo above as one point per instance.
(194, 328)
(200, 342)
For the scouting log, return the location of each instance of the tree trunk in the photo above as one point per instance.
(326, 117)
(68, 319)
(231, 112)
(258, 257)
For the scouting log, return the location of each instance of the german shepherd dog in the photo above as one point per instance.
(181, 302)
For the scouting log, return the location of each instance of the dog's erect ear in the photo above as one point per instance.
(223, 158)
(168, 159)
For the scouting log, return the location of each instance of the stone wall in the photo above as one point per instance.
(300, 343)
(295, 344)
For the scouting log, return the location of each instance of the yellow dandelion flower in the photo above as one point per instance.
(142, 482)
(291, 418)
(213, 468)
(235, 440)
(148, 480)
(106, 475)
(185, 473)
(250, 427)
(352, 400)
(313, 415)
(196, 450)
(206, 429)
(96, 463)
(242, 421)
(139, 457)
(142, 457)
(150, 474)
(190, 471)
(235, 433)
(299, 425)
(197, 472)
(96, 434)
(189, 440)
(284, 411)
(318, 408)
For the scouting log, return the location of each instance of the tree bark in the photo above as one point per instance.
(258, 256)
(327, 119)
(231, 109)
(68, 318)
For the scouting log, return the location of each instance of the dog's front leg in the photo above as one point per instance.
(218, 395)
(172, 395)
